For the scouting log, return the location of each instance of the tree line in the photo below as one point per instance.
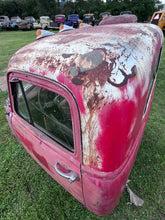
(143, 9)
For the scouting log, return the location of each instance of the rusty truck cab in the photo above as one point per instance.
(79, 102)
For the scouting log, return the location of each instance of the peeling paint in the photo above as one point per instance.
(104, 70)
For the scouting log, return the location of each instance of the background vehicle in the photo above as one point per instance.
(27, 23)
(30, 19)
(4, 22)
(15, 21)
(89, 19)
(59, 19)
(158, 18)
(102, 16)
(44, 23)
(73, 20)
(119, 19)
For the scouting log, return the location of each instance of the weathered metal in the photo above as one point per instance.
(105, 75)
(119, 19)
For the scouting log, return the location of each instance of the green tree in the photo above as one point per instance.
(141, 8)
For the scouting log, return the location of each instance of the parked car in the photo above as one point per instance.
(89, 19)
(102, 16)
(27, 23)
(158, 18)
(4, 22)
(119, 19)
(79, 103)
(30, 19)
(15, 21)
(44, 23)
(73, 20)
(59, 19)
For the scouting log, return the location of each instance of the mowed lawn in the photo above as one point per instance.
(28, 192)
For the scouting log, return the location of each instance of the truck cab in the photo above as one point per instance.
(73, 20)
(89, 19)
(44, 23)
(4, 22)
(79, 102)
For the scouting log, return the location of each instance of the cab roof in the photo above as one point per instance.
(104, 56)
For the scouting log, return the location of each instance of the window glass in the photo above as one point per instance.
(49, 112)
(21, 106)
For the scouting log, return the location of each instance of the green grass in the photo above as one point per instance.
(28, 192)
(10, 42)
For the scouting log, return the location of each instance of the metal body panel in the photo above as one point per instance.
(107, 71)
(107, 187)
(43, 149)
(119, 19)
(104, 71)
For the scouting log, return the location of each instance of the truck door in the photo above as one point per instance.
(45, 120)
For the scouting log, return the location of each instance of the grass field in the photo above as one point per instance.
(28, 192)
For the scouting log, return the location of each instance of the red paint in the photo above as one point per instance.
(76, 90)
(113, 141)
(32, 70)
(117, 126)
(43, 73)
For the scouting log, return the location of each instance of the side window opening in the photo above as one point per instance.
(20, 102)
(46, 110)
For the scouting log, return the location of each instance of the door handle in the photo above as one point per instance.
(70, 175)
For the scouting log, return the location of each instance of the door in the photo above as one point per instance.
(45, 119)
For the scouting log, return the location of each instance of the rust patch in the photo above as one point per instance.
(94, 69)
(39, 61)
(100, 73)
(77, 81)
(94, 101)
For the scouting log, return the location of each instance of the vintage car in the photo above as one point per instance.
(15, 21)
(102, 16)
(44, 23)
(4, 22)
(27, 23)
(158, 18)
(79, 102)
(119, 19)
(89, 19)
(59, 19)
(73, 21)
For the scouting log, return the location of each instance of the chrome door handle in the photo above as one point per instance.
(70, 175)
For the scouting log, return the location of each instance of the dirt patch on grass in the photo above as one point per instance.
(3, 83)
